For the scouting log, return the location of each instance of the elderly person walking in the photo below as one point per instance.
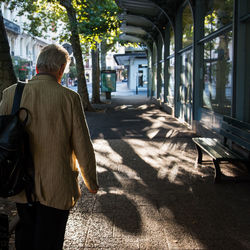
(58, 136)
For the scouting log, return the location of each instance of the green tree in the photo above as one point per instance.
(48, 14)
(7, 75)
(98, 23)
(86, 21)
(77, 51)
(107, 45)
(95, 76)
(72, 72)
(96, 20)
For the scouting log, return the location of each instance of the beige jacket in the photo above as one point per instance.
(58, 135)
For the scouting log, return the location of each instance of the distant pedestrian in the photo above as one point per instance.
(58, 136)
(70, 82)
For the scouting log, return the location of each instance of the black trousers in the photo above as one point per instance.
(40, 227)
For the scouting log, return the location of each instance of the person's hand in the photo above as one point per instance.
(93, 191)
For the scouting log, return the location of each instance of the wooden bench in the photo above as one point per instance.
(232, 130)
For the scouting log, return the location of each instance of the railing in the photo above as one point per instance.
(12, 26)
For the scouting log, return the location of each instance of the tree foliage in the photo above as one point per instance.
(96, 19)
(84, 21)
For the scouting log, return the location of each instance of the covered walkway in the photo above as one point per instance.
(152, 195)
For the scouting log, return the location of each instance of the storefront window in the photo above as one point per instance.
(217, 91)
(186, 77)
(187, 27)
(217, 14)
(171, 82)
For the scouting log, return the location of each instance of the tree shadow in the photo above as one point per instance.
(213, 214)
(126, 215)
(198, 205)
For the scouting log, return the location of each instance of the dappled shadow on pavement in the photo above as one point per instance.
(126, 216)
(152, 195)
(127, 121)
(195, 213)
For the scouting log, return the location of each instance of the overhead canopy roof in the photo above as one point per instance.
(124, 59)
(145, 20)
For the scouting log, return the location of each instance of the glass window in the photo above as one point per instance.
(171, 48)
(187, 27)
(171, 82)
(217, 91)
(154, 80)
(154, 70)
(217, 14)
(186, 77)
(162, 52)
(162, 82)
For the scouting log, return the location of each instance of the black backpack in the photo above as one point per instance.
(16, 165)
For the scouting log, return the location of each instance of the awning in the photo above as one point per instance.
(144, 20)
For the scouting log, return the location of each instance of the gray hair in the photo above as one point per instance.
(51, 58)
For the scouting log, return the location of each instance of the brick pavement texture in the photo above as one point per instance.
(152, 194)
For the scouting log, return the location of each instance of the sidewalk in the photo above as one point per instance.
(121, 90)
(152, 195)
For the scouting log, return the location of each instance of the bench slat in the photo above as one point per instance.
(215, 149)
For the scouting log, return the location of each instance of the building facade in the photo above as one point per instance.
(24, 48)
(198, 52)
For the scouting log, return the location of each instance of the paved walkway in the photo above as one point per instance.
(152, 196)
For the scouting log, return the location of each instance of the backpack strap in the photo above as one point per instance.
(17, 98)
(15, 110)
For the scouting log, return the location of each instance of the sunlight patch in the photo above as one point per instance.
(173, 173)
(105, 154)
(152, 133)
(142, 107)
(101, 169)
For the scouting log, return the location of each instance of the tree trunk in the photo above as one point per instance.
(104, 49)
(77, 51)
(103, 54)
(95, 76)
(7, 74)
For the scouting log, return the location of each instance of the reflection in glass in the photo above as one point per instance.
(171, 48)
(162, 82)
(217, 92)
(187, 27)
(154, 70)
(170, 96)
(162, 52)
(217, 14)
(185, 89)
